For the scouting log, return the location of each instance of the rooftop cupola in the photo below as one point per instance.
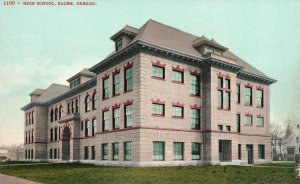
(80, 78)
(124, 37)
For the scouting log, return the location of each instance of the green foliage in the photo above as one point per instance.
(83, 173)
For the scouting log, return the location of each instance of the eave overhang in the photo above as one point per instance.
(87, 85)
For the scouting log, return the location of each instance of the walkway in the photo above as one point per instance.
(5, 179)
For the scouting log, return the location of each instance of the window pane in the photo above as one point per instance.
(128, 115)
(196, 151)
(195, 119)
(158, 71)
(260, 121)
(115, 148)
(177, 111)
(127, 151)
(195, 85)
(248, 120)
(116, 117)
(178, 151)
(248, 96)
(220, 82)
(158, 150)
(227, 100)
(158, 109)
(220, 99)
(177, 76)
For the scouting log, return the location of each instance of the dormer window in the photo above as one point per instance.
(74, 83)
(211, 50)
(119, 44)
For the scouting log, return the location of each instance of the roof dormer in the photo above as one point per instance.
(205, 46)
(80, 78)
(124, 37)
(36, 93)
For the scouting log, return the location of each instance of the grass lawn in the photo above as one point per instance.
(280, 164)
(83, 173)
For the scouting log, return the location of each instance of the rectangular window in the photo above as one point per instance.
(220, 99)
(93, 152)
(259, 98)
(55, 134)
(86, 128)
(32, 154)
(51, 156)
(227, 84)
(177, 76)
(158, 109)
(86, 153)
(128, 79)
(119, 44)
(94, 122)
(105, 118)
(259, 121)
(228, 128)
(116, 84)
(227, 100)
(178, 150)
(105, 151)
(127, 151)
(239, 151)
(248, 96)
(55, 153)
(220, 127)
(128, 116)
(177, 111)
(51, 135)
(248, 120)
(261, 151)
(158, 150)
(158, 72)
(105, 93)
(220, 82)
(115, 148)
(116, 118)
(238, 93)
(195, 119)
(195, 85)
(238, 123)
(196, 151)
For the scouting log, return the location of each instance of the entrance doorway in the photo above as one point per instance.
(225, 150)
(249, 148)
(66, 144)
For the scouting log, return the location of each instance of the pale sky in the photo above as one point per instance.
(44, 45)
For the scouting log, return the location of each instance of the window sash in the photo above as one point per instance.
(158, 71)
(104, 151)
(93, 152)
(261, 151)
(178, 151)
(86, 152)
(195, 119)
(259, 98)
(105, 120)
(158, 150)
(115, 149)
(196, 151)
(128, 79)
(128, 115)
(260, 121)
(116, 113)
(158, 109)
(177, 76)
(195, 85)
(220, 82)
(227, 84)
(116, 83)
(177, 111)
(220, 99)
(248, 96)
(248, 120)
(127, 151)
(238, 91)
(227, 100)
(105, 88)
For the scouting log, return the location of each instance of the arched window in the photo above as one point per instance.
(72, 106)
(94, 101)
(87, 103)
(68, 108)
(29, 121)
(32, 119)
(51, 115)
(56, 114)
(77, 106)
(60, 111)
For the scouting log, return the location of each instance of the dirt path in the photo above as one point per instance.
(5, 179)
